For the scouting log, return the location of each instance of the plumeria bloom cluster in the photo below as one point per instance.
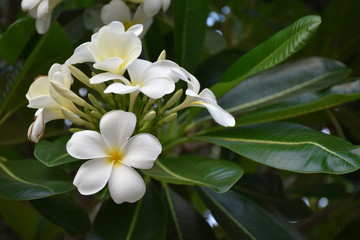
(135, 97)
(41, 10)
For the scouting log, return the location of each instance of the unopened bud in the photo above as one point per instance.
(168, 119)
(174, 99)
(80, 76)
(162, 55)
(148, 117)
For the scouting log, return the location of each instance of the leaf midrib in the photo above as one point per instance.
(283, 143)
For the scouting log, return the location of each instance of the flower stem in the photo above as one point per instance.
(133, 96)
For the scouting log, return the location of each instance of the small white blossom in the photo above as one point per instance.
(41, 10)
(112, 49)
(41, 96)
(205, 99)
(152, 79)
(114, 154)
(117, 10)
(152, 7)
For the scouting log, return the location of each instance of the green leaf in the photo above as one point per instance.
(26, 222)
(64, 212)
(14, 40)
(53, 47)
(53, 153)
(29, 179)
(145, 219)
(186, 223)
(241, 218)
(220, 175)
(268, 54)
(304, 104)
(282, 82)
(289, 147)
(190, 27)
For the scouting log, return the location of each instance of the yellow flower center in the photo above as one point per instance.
(128, 24)
(115, 156)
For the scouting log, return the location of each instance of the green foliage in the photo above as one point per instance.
(249, 178)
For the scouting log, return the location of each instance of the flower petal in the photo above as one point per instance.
(36, 129)
(112, 64)
(116, 10)
(208, 96)
(137, 29)
(137, 68)
(141, 151)
(103, 77)
(87, 145)
(220, 116)
(26, 5)
(157, 87)
(93, 175)
(81, 54)
(152, 7)
(117, 127)
(120, 88)
(125, 184)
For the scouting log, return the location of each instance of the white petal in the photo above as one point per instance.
(120, 88)
(112, 65)
(43, 102)
(163, 69)
(103, 77)
(208, 96)
(125, 184)
(136, 69)
(81, 54)
(42, 9)
(116, 10)
(36, 129)
(86, 145)
(165, 4)
(93, 175)
(220, 116)
(26, 5)
(152, 7)
(137, 29)
(116, 127)
(157, 87)
(141, 151)
(39, 87)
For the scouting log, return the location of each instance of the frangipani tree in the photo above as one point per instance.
(136, 130)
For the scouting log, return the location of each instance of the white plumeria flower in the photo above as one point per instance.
(113, 155)
(117, 10)
(152, 79)
(152, 7)
(41, 10)
(112, 49)
(205, 98)
(48, 102)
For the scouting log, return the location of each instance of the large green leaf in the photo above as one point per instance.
(290, 147)
(14, 40)
(53, 47)
(266, 55)
(145, 219)
(284, 81)
(241, 218)
(190, 27)
(64, 212)
(220, 175)
(53, 153)
(304, 104)
(185, 222)
(29, 179)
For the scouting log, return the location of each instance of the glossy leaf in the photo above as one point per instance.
(29, 179)
(283, 82)
(11, 45)
(53, 153)
(145, 219)
(189, 30)
(64, 212)
(218, 174)
(289, 147)
(186, 223)
(37, 63)
(304, 104)
(242, 218)
(270, 53)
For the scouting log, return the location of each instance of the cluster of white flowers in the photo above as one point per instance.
(113, 117)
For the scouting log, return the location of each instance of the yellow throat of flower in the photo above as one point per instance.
(115, 156)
